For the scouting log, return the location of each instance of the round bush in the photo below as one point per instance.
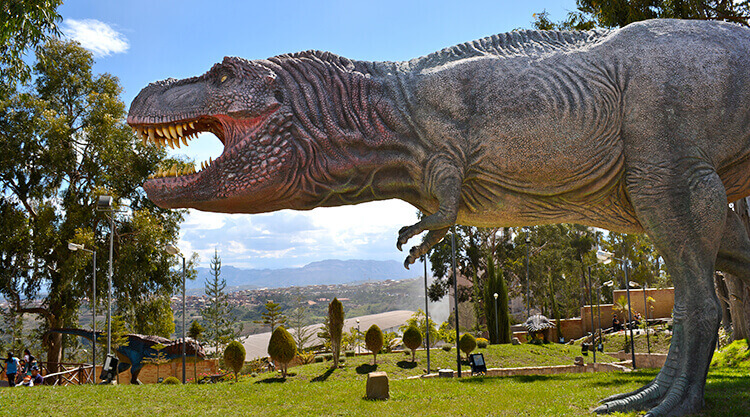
(281, 348)
(349, 353)
(447, 348)
(467, 343)
(234, 356)
(319, 359)
(374, 340)
(328, 356)
(171, 381)
(482, 342)
(412, 339)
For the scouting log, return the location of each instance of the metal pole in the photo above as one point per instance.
(645, 323)
(630, 313)
(455, 296)
(528, 285)
(426, 312)
(497, 325)
(93, 323)
(109, 282)
(599, 311)
(184, 340)
(591, 308)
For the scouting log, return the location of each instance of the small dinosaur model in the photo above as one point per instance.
(640, 129)
(140, 348)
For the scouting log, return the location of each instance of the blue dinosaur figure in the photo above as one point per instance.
(139, 347)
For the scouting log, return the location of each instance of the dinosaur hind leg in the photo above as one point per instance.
(683, 209)
(734, 251)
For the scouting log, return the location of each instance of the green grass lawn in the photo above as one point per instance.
(314, 390)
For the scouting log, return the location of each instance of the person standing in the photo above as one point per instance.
(11, 369)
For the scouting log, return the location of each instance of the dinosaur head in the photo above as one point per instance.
(241, 103)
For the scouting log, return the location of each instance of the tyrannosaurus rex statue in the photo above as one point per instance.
(641, 129)
(140, 348)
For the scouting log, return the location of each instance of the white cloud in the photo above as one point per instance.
(98, 37)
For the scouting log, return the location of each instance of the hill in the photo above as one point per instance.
(327, 272)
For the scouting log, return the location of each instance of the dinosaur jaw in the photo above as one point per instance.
(255, 151)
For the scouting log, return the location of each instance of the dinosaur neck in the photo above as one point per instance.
(357, 145)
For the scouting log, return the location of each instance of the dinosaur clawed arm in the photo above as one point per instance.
(448, 193)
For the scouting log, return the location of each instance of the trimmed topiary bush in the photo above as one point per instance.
(374, 341)
(171, 381)
(319, 359)
(349, 353)
(467, 343)
(234, 357)
(412, 339)
(335, 327)
(281, 348)
(447, 348)
(328, 356)
(482, 343)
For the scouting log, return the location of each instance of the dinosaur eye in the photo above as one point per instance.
(279, 96)
(224, 78)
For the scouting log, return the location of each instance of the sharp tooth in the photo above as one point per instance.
(171, 142)
(179, 130)
(165, 131)
(210, 161)
(173, 171)
(158, 130)
(184, 140)
(173, 132)
(177, 143)
(144, 140)
(192, 125)
(203, 165)
(151, 135)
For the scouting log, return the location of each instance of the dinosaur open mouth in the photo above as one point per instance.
(176, 134)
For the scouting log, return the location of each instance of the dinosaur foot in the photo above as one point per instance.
(677, 398)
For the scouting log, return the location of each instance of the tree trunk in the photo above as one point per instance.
(723, 294)
(739, 304)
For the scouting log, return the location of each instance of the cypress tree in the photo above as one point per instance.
(335, 328)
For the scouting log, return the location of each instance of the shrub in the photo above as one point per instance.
(281, 348)
(306, 358)
(447, 348)
(335, 327)
(374, 341)
(412, 339)
(234, 357)
(349, 353)
(328, 356)
(171, 381)
(319, 359)
(482, 343)
(467, 343)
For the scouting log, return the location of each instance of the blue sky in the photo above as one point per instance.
(145, 41)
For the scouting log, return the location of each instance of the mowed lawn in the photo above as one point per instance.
(315, 390)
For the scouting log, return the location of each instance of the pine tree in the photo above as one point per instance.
(495, 284)
(272, 316)
(219, 323)
(298, 322)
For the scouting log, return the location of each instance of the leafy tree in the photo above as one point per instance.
(335, 327)
(467, 343)
(374, 341)
(26, 24)
(447, 332)
(412, 338)
(281, 348)
(324, 334)
(195, 331)
(154, 317)
(299, 321)
(495, 284)
(234, 357)
(62, 144)
(272, 317)
(159, 359)
(418, 320)
(219, 322)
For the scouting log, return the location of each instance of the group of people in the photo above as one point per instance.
(23, 371)
(617, 325)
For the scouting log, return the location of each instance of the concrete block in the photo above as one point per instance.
(377, 386)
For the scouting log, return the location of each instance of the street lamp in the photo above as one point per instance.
(104, 203)
(357, 340)
(528, 291)
(426, 312)
(605, 258)
(497, 328)
(591, 310)
(645, 310)
(75, 247)
(455, 297)
(172, 250)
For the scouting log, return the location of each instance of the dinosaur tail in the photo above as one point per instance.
(88, 334)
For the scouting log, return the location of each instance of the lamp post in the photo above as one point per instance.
(75, 247)
(605, 258)
(497, 326)
(104, 203)
(455, 297)
(357, 336)
(426, 312)
(172, 250)
(591, 309)
(645, 310)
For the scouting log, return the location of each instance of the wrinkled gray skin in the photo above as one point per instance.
(642, 129)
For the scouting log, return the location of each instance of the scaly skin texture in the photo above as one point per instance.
(642, 129)
(141, 347)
